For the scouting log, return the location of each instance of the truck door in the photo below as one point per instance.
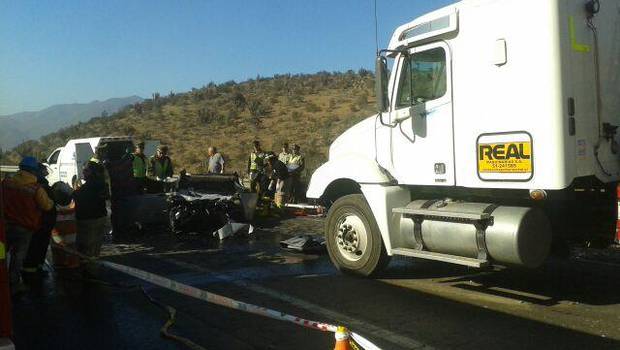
(83, 153)
(423, 140)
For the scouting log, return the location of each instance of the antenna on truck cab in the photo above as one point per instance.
(376, 31)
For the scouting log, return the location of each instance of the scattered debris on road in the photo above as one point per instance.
(304, 244)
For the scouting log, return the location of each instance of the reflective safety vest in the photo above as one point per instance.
(20, 205)
(139, 166)
(284, 157)
(296, 159)
(256, 161)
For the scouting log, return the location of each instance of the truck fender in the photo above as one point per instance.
(353, 168)
(382, 199)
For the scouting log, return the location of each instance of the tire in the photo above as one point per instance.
(353, 239)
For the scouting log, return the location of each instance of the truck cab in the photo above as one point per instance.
(497, 123)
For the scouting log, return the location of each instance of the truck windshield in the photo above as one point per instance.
(53, 159)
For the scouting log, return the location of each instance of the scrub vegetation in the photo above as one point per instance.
(308, 109)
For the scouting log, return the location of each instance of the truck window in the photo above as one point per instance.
(426, 70)
(54, 157)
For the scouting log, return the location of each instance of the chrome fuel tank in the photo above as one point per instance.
(514, 236)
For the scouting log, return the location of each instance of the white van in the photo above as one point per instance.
(66, 163)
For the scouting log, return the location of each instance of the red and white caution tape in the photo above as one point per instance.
(217, 299)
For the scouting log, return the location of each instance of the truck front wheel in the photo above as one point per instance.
(353, 239)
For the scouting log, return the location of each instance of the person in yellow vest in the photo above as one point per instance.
(285, 155)
(256, 165)
(140, 166)
(296, 164)
(161, 164)
(65, 231)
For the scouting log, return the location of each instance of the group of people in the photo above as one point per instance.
(76, 217)
(270, 173)
(73, 218)
(279, 173)
(34, 212)
(158, 166)
(130, 174)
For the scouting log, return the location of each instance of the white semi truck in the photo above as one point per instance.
(495, 139)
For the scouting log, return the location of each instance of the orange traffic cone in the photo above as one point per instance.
(342, 339)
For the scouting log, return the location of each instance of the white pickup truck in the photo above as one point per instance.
(66, 163)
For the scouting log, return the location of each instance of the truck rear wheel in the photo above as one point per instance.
(353, 239)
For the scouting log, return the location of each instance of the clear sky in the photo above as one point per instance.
(55, 52)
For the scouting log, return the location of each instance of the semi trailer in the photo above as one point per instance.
(495, 141)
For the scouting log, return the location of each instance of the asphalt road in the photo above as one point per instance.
(567, 304)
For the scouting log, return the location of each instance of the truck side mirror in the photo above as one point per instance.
(381, 83)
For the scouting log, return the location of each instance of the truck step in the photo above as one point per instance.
(453, 259)
(438, 214)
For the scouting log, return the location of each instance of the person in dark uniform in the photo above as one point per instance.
(161, 164)
(91, 213)
(279, 179)
(122, 186)
(140, 166)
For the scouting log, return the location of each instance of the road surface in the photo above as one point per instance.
(415, 304)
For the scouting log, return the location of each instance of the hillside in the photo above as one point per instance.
(311, 110)
(19, 127)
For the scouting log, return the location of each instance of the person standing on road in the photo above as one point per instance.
(161, 164)
(23, 203)
(37, 250)
(140, 166)
(296, 164)
(279, 176)
(285, 155)
(215, 163)
(122, 186)
(255, 166)
(90, 211)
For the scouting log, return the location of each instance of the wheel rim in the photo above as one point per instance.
(351, 237)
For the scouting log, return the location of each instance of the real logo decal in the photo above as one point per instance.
(505, 157)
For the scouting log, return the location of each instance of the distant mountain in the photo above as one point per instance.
(19, 127)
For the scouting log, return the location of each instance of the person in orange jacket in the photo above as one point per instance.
(37, 250)
(24, 201)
